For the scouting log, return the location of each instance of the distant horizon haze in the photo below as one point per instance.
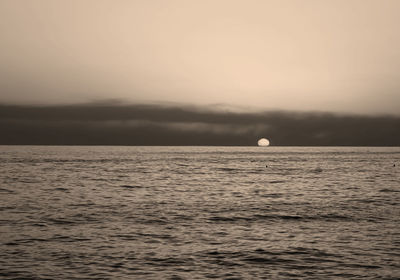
(173, 125)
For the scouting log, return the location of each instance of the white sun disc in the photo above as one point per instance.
(263, 142)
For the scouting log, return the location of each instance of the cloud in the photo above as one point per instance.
(120, 124)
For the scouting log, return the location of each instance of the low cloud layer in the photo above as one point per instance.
(116, 124)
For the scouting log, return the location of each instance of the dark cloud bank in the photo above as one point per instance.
(113, 124)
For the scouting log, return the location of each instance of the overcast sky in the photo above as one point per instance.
(340, 56)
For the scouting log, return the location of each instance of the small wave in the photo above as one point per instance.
(272, 195)
(326, 217)
(30, 240)
(280, 217)
(215, 254)
(228, 219)
(389, 190)
(39, 225)
(334, 217)
(126, 237)
(368, 266)
(6, 191)
(182, 164)
(310, 251)
(99, 179)
(131, 187)
(171, 261)
(317, 170)
(61, 189)
(61, 221)
(365, 200)
(265, 260)
(88, 204)
(227, 169)
(11, 244)
(152, 221)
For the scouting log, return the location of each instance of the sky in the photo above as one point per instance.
(340, 56)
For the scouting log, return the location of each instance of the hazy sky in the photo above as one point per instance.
(292, 55)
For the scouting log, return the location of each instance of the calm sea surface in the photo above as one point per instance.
(199, 212)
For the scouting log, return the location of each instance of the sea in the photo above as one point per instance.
(117, 212)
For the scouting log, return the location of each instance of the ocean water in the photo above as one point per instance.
(199, 213)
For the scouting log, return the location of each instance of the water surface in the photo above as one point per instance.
(199, 212)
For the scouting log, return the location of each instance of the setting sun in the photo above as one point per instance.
(263, 142)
